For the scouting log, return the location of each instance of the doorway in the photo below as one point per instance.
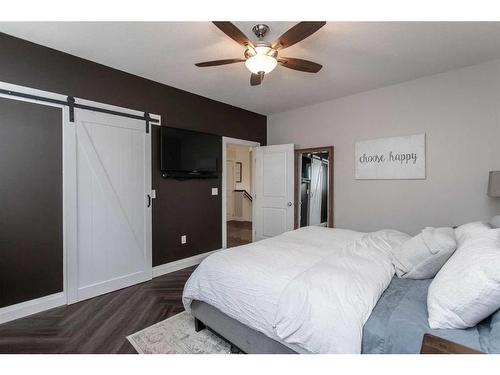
(314, 187)
(237, 192)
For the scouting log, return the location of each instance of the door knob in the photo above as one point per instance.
(289, 204)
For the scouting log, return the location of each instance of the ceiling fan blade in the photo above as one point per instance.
(233, 32)
(256, 79)
(219, 62)
(297, 33)
(300, 64)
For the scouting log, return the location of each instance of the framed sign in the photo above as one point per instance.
(238, 171)
(391, 158)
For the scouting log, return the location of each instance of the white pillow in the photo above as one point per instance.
(469, 230)
(422, 256)
(495, 222)
(467, 289)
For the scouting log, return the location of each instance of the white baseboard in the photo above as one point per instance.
(163, 269)
(20, 310)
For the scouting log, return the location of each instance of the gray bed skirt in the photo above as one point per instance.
(243, 337)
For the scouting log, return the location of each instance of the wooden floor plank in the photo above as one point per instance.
(100, 324)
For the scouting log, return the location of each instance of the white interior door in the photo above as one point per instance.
(273, 194)
(112, 213)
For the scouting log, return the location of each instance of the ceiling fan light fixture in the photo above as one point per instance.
(261, 59)
(261, 63)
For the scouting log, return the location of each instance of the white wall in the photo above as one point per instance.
(458, 110)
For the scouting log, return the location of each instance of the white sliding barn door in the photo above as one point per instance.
(111, 246)
(273, 203)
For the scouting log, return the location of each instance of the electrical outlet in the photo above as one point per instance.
(215, 191)
(183, 239)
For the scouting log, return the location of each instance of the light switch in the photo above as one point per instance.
(183, 239)
(153, 194)
(215, 191)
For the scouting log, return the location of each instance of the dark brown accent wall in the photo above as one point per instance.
(182, 207)
(193, 211)
(31, 232)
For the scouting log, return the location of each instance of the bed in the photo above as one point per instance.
(259, 297)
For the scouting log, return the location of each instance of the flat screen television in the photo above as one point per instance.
(189, 154)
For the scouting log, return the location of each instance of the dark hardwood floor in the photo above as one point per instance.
(100, 324)
(239, 233)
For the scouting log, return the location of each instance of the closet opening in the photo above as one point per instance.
(314, 187)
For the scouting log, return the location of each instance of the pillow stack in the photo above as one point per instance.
(467, 289)
(422, 256)
(495, 222)
(470, 230)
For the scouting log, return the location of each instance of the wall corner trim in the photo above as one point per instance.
(163, 269)
(23, 309)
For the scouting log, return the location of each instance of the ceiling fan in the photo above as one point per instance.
(262, 57)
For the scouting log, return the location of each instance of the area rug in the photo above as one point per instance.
(176, 335)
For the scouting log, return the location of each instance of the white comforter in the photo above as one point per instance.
(311, 289)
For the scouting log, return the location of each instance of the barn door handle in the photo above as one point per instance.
(149, 200)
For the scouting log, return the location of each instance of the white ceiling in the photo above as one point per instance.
(356, 56)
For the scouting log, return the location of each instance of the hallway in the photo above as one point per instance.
(239, 233)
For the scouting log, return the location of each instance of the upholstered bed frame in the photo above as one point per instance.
(242, 338)
(397, 324)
